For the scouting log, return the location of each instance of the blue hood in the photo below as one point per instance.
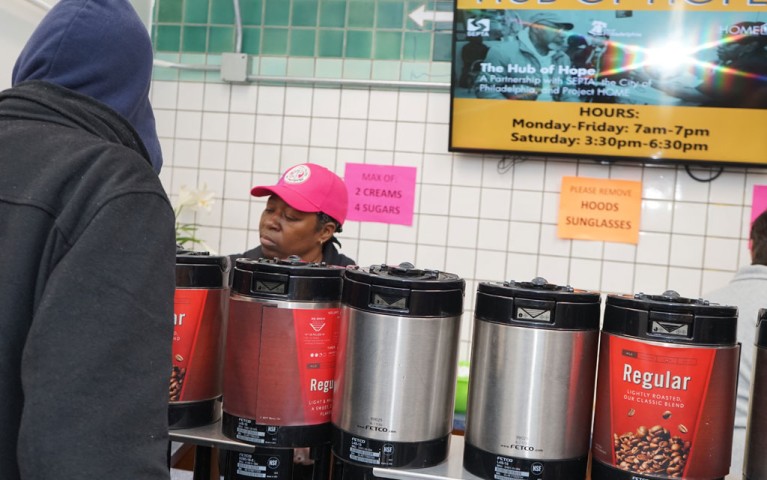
(99, 48)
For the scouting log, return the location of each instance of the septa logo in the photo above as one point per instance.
(478, 27)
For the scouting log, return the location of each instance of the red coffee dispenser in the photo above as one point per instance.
(199, 316)
(666, 388)
(279, 365)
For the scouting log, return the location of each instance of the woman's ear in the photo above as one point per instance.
(327, 231)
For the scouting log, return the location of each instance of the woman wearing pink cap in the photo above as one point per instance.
(305, 210)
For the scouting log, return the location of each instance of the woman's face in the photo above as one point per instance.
(285, 231)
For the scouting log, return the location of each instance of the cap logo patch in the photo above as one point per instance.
(297, 174)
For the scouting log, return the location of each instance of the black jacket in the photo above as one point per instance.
(87, 260)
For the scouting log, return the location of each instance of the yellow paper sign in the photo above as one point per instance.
(600, 209)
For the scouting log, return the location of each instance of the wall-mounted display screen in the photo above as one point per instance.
(648, 80)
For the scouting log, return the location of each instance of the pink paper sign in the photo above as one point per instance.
(380, 193)
(759, 202)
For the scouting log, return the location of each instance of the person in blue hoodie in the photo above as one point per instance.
(87, 254)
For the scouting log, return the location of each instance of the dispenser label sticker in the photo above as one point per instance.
(316, 341)
(360, 451)
(248, 431)
(265, 466)
(514, 469)
(188, 307)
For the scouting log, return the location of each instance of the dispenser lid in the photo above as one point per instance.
(538, 304)
(201, 270)
(405, 275)
(761, 328)
(669, 317)
(403, 290)
(287, 279)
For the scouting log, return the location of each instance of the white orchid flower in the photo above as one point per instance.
(195, 200)
(200, 199)
(186, 198)
(204, 200)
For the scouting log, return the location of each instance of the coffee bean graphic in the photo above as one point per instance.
(651, 451)
(177, 375)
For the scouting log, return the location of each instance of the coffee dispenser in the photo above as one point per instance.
(666, 388)
(755, 464)
(395, 381)
(199, 318)
(279, 365)
(531, 381)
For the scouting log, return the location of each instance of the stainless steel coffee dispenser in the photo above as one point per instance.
(531, 381)
(397, 360)
(755, 464)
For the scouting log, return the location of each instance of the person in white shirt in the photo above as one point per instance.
(748, 291)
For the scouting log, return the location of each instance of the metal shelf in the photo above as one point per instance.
(205, 439)
(210, 436)
(450, 469)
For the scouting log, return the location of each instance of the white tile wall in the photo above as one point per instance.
(621, 252)
(647, 278)
(326, 105)
(656, 215)
(524, 237)
(244, 97)
(724, 220)
(524, 267)
(587, 249)
(383, 105)
(617, 277)
(689, 218)
(477, 216)
(239, 156)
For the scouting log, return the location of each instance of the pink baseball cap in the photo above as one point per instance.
(309, 187)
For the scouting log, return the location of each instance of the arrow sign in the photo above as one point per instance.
(421, 15)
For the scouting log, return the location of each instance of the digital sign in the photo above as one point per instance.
(656, 82)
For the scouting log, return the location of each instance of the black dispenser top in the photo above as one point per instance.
(538, 304)
(201, 270)
(669, 317)
(287, 279)
(403, 290)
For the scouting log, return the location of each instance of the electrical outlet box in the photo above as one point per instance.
(235, 67)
